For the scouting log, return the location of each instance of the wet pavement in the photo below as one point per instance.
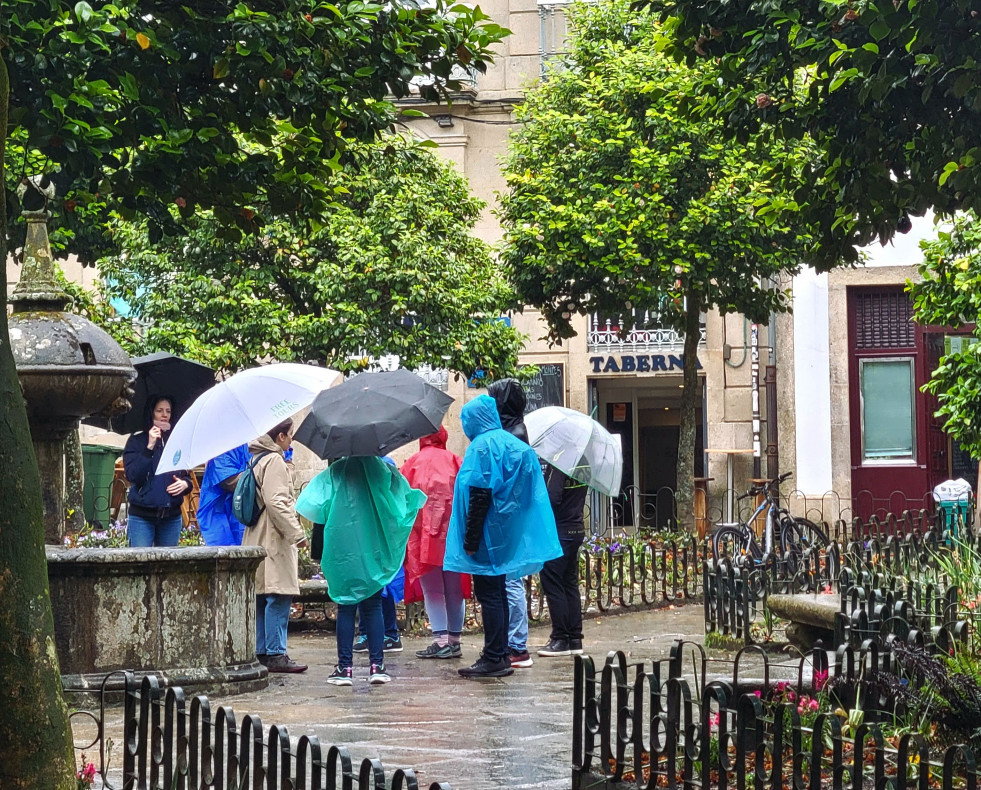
(511, 732)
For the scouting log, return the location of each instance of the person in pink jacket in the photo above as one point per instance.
(433, 470)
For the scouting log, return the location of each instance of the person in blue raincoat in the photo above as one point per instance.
(363, 511)
(217, 523)
(502, 524)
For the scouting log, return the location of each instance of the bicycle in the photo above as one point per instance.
(795, 534)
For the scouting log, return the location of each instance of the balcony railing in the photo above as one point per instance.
(647, 335)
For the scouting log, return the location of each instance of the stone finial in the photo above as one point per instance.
(38, 288)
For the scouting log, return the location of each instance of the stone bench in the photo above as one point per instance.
(313, 591)
(811, 615)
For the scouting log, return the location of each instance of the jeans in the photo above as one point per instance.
(517, 615)
(389, 617)
(493, 599)
(272, 615)
(443, 592)
(373, 624)
(144, 532)
(560, 583)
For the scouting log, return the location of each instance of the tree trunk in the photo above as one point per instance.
(34, 728)
(74, 483)
(685, 495)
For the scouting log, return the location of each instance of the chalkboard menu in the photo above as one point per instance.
(546, 388)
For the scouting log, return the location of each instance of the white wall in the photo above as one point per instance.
(812, 383)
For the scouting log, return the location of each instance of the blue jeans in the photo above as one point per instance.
(517, 615)
(389, 617)
(493, 599)
(272, 615)
(145, 532)
(373, 624)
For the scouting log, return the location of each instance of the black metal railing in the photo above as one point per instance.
(170, 742)
(649, 726)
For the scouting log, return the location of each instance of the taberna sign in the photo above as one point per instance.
(639, 363)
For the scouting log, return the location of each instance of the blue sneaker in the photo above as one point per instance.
(361, 644)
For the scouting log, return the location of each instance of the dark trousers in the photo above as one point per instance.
(493, 599)
(390, 616)
(373, 624)
(560, 581)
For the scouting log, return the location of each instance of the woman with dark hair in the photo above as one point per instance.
(278, 531)
(154, 514)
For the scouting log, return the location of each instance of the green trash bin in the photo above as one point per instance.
(99, 468)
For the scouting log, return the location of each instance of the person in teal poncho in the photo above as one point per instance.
(502, 524)
(363, 511)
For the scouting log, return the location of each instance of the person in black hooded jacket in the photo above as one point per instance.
(510, 398)
(154, 513)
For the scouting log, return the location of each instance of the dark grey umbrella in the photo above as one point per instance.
(372, 414)
(161, 373)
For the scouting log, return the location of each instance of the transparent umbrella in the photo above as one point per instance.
(576, 444)
(241, 408)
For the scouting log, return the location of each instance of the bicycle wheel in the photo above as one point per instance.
(729, 542)
(799, 534)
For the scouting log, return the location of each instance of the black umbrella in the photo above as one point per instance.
(161, 373)
(372, 414)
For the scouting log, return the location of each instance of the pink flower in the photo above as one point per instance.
(791, 696)
(714, 721)
(820, 679)
(814, 704)
(758, 694)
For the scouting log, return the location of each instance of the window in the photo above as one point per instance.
(888, 414)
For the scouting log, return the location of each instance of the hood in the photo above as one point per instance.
(437, 439)
(151, 404)
(264, 444)
(479, 416)
(511, 401)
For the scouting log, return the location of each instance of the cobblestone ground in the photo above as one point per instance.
(476, 735)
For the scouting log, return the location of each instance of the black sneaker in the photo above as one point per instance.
(437, 651)
(341, 676)
(361, 644)
(556, 647)
(378, 674)
(392, 645)
(483, 668)
(575, 647)
(262, 658)
(283, 663)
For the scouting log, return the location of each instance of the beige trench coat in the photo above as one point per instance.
(278, 530)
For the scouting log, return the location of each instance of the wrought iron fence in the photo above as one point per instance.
(890, 574)
(646, 725)
(172, 743)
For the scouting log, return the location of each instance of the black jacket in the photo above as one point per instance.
(148, 495)
(568, 498)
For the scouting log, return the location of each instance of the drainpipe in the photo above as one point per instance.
(754, 378)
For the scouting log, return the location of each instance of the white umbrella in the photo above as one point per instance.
(241, 408)
(577, 445)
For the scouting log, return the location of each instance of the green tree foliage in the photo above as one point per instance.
(149, 106)
(949, 294)
(619, 202)
(391, 268)
(890, 93)
(152, 104)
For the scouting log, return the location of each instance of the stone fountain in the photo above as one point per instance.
(184, 614)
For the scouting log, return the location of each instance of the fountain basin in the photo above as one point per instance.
(187, 615)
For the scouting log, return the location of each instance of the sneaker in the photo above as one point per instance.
(262, 658)
(361, 644)
(575, 647)
(392, 645)
(341, 676)
(557, 647)
(435, 650)
(283, 663)
(520, 658)
(484, 668)
(378, 674)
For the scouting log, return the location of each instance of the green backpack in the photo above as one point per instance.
(245, 501)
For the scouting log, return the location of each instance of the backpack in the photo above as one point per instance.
(245, 501)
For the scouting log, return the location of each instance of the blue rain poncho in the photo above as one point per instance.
(519, 531)
(367, 509)
(217, 523)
